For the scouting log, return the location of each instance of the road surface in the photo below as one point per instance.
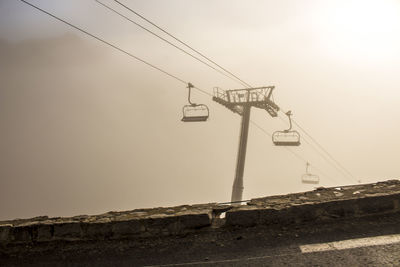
(370, 241)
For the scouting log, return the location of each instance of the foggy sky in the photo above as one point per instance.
(85, 129)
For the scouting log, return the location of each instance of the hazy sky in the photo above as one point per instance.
(86, 129)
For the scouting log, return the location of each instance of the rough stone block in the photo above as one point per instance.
(22, 234)
(378, 204)
(127, 228)
(195, 221)
(5, 233)
(96, 231)
(175, 228)
(297, 214)
(248, 217)
(287, 216)
(396, 204)
(320, 213)
(269, 216)
(160, 225)
(44, 232)
(67, 231)
(340, 209)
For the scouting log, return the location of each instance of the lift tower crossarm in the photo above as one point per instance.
(236, 99)
(240, 101)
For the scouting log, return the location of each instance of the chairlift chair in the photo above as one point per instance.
(286, 137)
(194, 112)
(309, 178)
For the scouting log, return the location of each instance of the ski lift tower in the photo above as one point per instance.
(240, 101)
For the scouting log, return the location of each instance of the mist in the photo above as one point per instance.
(82, 133)
(84, 129)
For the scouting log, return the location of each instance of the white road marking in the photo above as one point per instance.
(311, 248)
(351, 243)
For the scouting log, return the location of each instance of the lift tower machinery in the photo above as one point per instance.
(240, 101)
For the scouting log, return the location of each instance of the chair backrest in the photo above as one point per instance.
(310, 179)
(195, 112)
(286, 138)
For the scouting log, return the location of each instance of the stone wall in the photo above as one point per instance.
(319, 205)
(139, 223)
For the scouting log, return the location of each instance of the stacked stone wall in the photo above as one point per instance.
(321, 204)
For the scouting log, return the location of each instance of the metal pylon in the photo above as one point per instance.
(237, 189)
(241, 101)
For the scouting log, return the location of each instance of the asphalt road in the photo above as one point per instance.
(372, 241)
(383, 255)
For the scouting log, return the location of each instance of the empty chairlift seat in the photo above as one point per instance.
(194, 112)
(309, 178)
(286, 138)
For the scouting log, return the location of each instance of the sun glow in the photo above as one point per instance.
(364, 29)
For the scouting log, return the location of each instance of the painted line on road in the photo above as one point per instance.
(310, 248)
(351, 243)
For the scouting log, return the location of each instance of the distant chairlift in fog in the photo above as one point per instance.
(309, 178)
(286, 137)
(194, 112)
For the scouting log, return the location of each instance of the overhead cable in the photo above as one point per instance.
(291, 151)
(183, 43)
(241, 81)
(323, 149)
(163, 39)
(343, 169)
(143, 61)
(110, 44)
(324, 156)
